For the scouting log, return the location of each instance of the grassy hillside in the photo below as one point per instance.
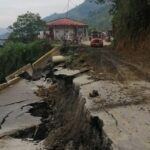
(96, 16)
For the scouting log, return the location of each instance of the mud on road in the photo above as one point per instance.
(105, 63)
(85, 122)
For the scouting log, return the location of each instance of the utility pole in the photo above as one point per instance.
(68, 9)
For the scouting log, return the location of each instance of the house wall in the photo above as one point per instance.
(43, 34)
(59, 32)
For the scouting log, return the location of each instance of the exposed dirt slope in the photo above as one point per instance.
(107, 64)
(71, 126)
(136, 51)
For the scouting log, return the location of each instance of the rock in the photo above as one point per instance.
(45, 91)
(94, 93)
(76, 54)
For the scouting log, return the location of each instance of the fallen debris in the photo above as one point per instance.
(94, 93)
(25, 75)
(43, 91)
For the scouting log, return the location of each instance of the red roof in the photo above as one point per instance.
(65, 22)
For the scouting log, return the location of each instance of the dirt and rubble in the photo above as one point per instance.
(104, 108)
(104, 114)
(106, 64)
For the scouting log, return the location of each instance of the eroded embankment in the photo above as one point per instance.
(71, 126)
(138, 48)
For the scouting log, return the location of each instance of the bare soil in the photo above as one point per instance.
(136, 51)
(105, 63)
(69, 127)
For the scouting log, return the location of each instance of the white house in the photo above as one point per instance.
(65, 28)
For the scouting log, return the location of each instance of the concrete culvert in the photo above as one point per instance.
(58, 59)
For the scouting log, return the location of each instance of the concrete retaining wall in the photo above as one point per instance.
(27, 68)
(10, 82)
(40, 63)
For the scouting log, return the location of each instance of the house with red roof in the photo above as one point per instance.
(65, 28)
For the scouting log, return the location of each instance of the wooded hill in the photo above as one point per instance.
(95, 15)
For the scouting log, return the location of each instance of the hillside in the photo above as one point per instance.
(3, 31)
(96, 16)
(4, 36)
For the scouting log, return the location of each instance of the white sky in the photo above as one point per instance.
(10, 9)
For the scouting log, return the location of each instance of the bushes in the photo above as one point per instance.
(130, 18)
(16, 54)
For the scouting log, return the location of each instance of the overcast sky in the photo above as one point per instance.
(10, 9)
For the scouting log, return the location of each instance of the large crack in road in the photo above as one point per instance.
(69, 118)
(14, 103)
(23, 115)
(4, 119)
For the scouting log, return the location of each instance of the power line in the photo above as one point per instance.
(65, 8)
(68, 6)
(74, 3)
(68, 9)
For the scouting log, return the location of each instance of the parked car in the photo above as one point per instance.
(96, 42)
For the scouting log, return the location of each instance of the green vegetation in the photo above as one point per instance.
(22, 46)
(130, 17)
(16, 54)
(27, 27)
(100, 19)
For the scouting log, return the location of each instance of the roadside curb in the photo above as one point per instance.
(43, 60)
(27, 67)
(9, 83)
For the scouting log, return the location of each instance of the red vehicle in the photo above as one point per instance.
(96, 42)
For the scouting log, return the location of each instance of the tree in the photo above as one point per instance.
(27, 27)
(130, 17)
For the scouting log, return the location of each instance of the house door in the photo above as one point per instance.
(51, 34)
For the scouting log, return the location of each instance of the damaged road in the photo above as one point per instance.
(23, 117)
(102, 105)
(115, 117)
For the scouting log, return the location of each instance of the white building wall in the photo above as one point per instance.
(59, 33)
(41, 35)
